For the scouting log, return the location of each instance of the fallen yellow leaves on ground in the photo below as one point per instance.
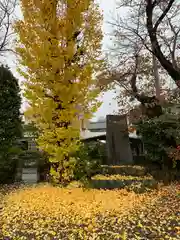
(47, 212)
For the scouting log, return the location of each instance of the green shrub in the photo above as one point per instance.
(160, 136)
(95, 150)
(7, 170)
(88, 161)
(9, 164)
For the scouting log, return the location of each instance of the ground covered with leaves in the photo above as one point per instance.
(46, 212)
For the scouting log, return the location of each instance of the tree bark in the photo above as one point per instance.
(152, 31)
(156, 78)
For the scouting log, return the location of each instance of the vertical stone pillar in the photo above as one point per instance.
(117, 140)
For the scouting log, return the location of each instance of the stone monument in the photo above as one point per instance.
(117, 140)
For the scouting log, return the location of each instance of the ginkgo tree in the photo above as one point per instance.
(59, 52)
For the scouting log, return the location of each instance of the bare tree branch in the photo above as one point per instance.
(176, 33)
(132, 38)
(163, 15)
(7, 8)
(152, 31)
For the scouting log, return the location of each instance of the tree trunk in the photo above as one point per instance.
(156, 77)
(152, 32)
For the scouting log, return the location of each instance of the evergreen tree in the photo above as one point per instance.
(10, 123)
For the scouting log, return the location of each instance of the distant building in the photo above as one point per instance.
(92, 129)
(99, 126)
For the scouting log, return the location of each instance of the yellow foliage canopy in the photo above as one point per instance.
(59, 49)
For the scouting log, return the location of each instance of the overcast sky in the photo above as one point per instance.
(109, 105)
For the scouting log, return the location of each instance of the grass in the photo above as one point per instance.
(46, 212)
